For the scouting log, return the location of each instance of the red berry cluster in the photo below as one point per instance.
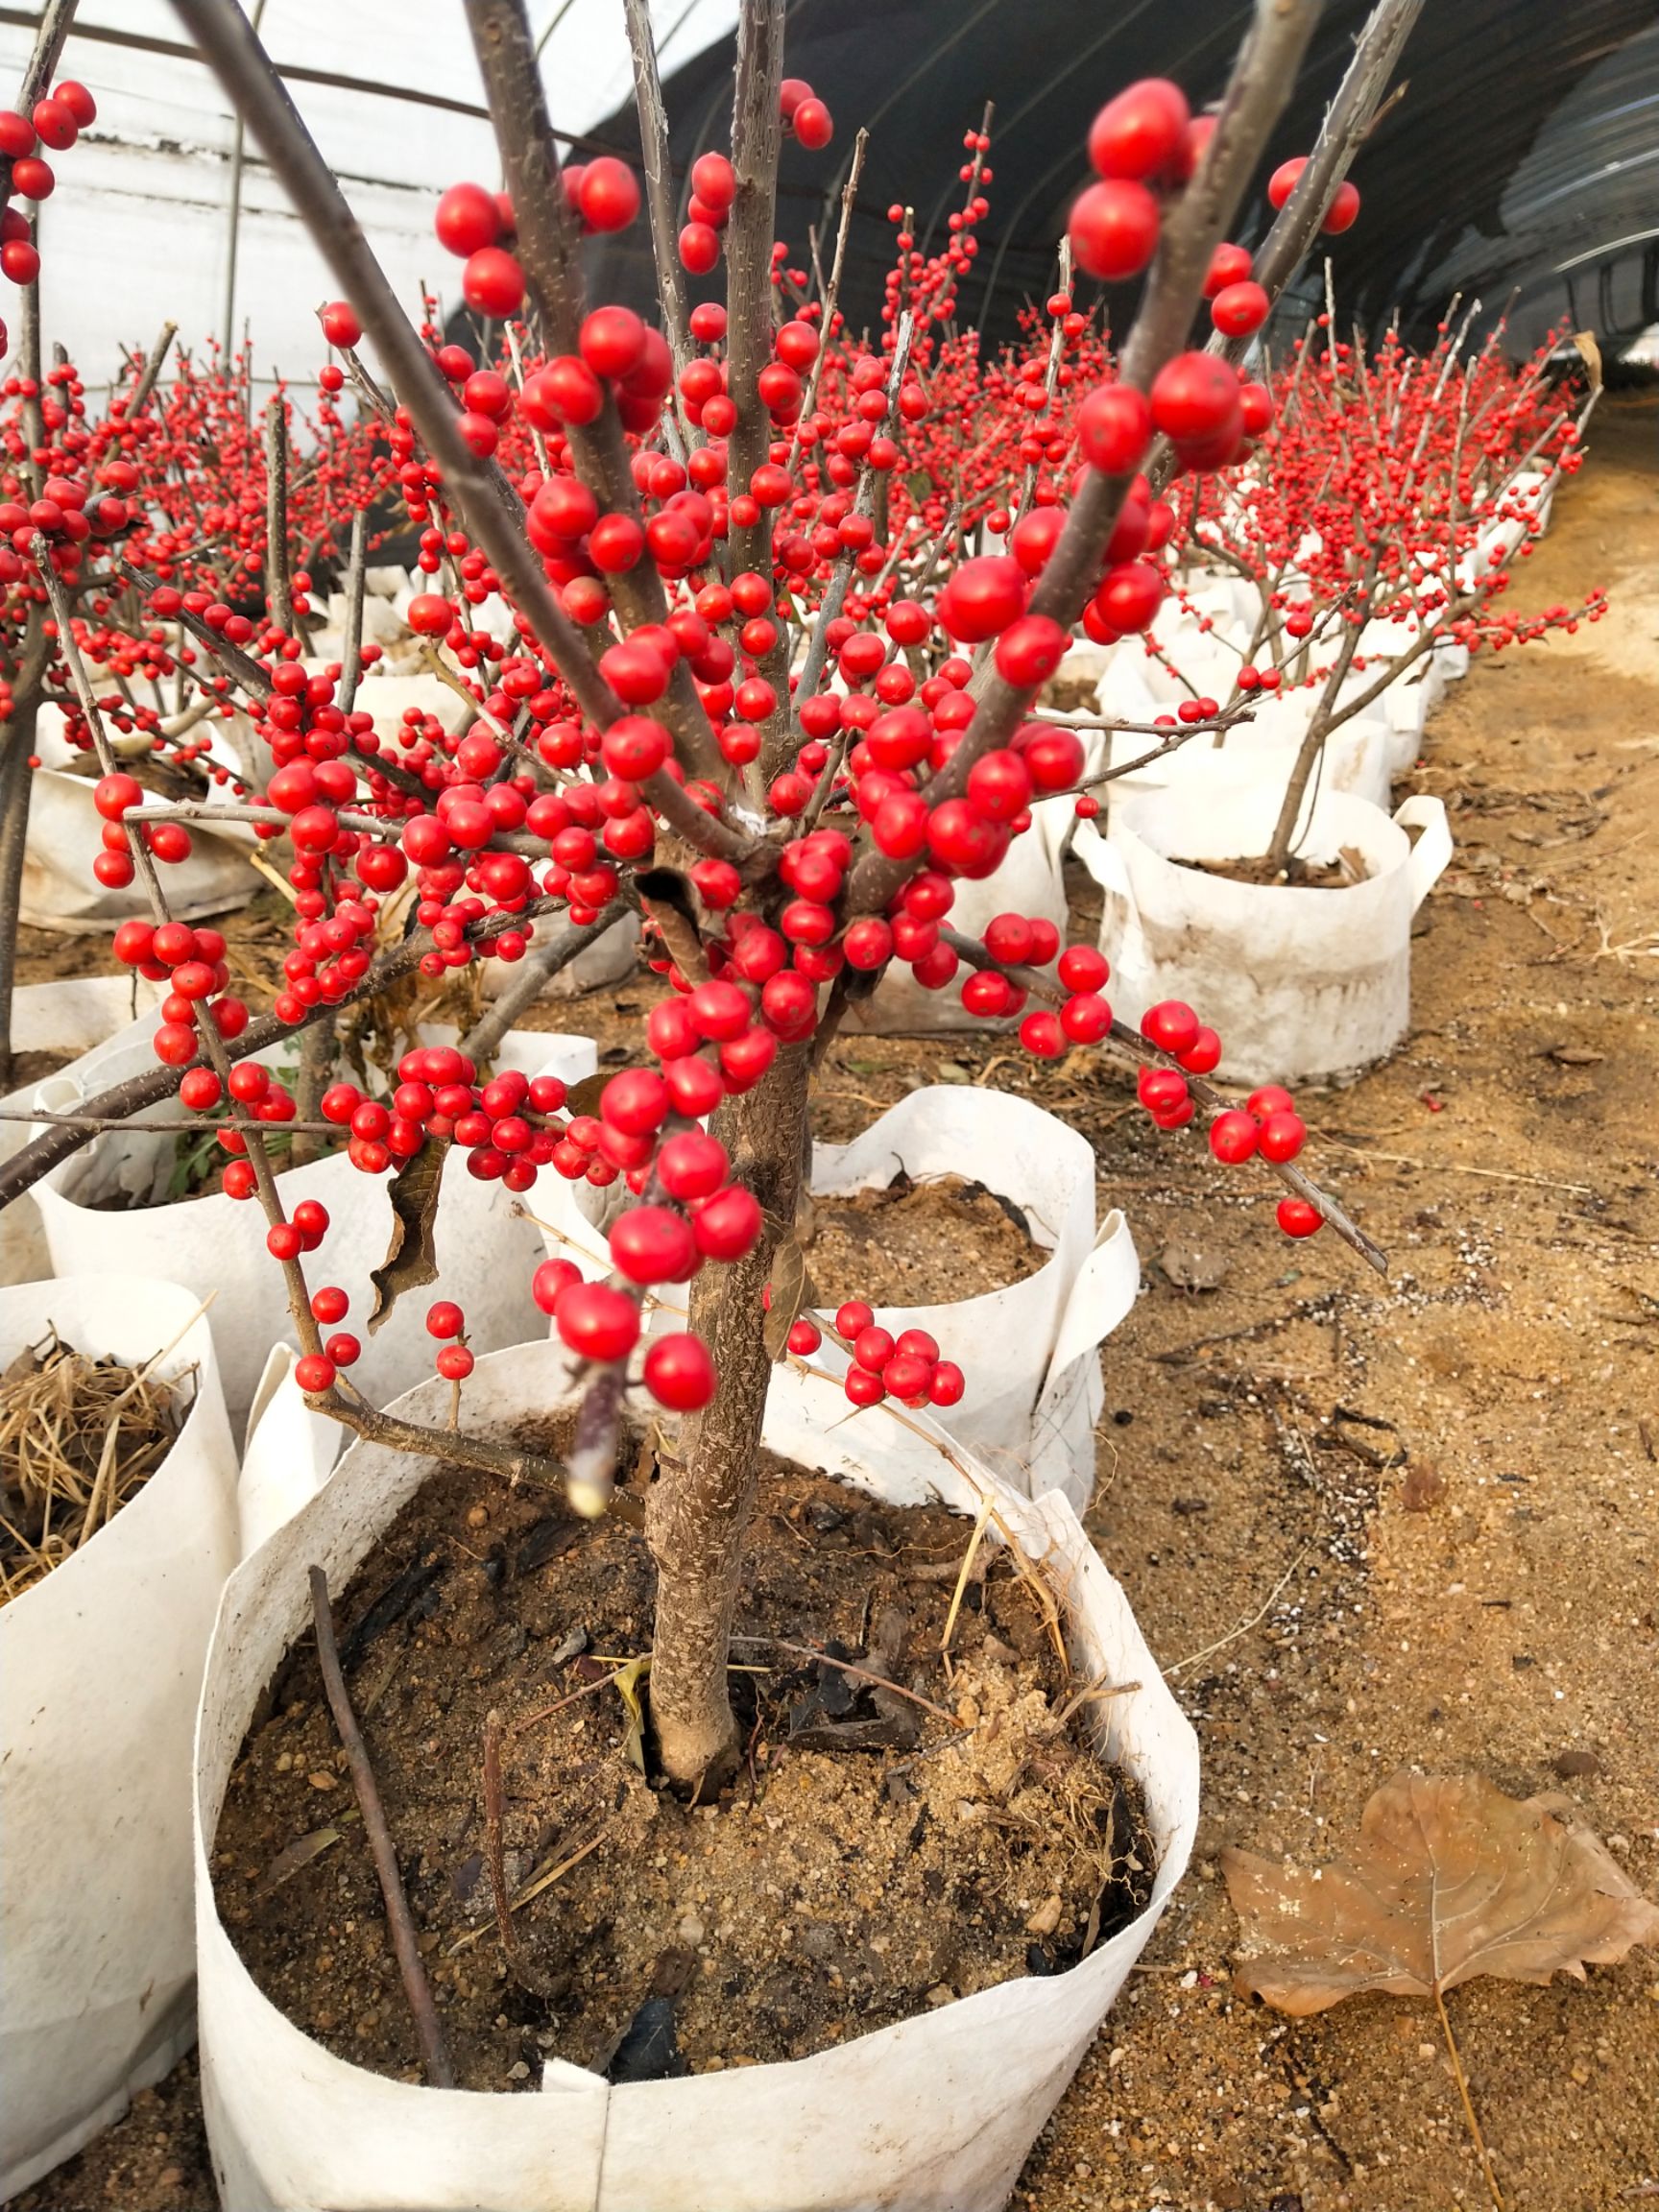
(191, 962)
(907, 1366)
(54, 123)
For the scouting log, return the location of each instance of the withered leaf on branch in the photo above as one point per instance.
(791, 1289)
(1451, 1879)
(584, 1097)
(411, 1258)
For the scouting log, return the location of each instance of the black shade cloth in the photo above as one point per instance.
(1523, 156)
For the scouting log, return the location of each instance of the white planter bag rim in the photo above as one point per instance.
(1301, 983)
(487, 1253)
(1028, 1349)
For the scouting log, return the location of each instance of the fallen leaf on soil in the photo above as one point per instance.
(1423, 1489)
(1451, 1879)
(1189, 1265)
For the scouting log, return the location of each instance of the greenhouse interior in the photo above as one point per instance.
(828, 1210)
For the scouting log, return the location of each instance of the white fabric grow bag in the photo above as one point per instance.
(1030, 1350)
(609, 958)
(1261, 753)
(1300, 983)
(99, 1666)
(486, 1253)
(289, 1454)
(938, 2111)
(81, 1017)
(65, 836)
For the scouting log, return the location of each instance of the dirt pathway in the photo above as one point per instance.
(1510, 1628)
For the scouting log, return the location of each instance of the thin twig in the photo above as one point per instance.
(1244, 1626)
(153, 368)
(1462, 2082)
(434, 2054)
(351, 644)
(858, 1673)
(494, 1856)
(831, 293)
(278, 586)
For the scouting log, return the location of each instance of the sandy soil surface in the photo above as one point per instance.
(1487, 1607)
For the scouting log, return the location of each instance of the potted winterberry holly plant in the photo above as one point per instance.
(673, 1627)
(1372, 541)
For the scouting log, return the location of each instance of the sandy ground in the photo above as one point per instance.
(1320, 1630)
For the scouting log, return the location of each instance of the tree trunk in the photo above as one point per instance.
(700, 1507)
(1311, 750)
(17, 787)
(16, 780)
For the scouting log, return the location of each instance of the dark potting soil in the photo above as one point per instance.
(873, 1859)
(31, 1068)
(1350, 867)
(918, 1243)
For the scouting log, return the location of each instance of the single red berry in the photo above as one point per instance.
(1284, 179)
(813, 125)
(1171, 1025)
(1283, 1136)
(1298, 1217)
(550, 1281)
(596, 1321)
(727, 1225)
(679, 1373)
(1114, 429)
(873, 1347)
(454, 1363)
(1270, 1098)
(1113, 229)
(340, 324)
(314, 1373)
(467, 218)
(1233, 1137)
(947, 1384)
(1238, 309)
(1042, 1034)
(1203, 1055)
(1082, 967)
(1141, 133)
(1343, 211)
(609, 194)
(652, 1244)
(1194, 398)
(492, 283)
(1086, 1017)
(445, 1318)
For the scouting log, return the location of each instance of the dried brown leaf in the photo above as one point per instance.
(411, 1258)
(584, 1097)
(791, 1289)
(1451, 1879)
